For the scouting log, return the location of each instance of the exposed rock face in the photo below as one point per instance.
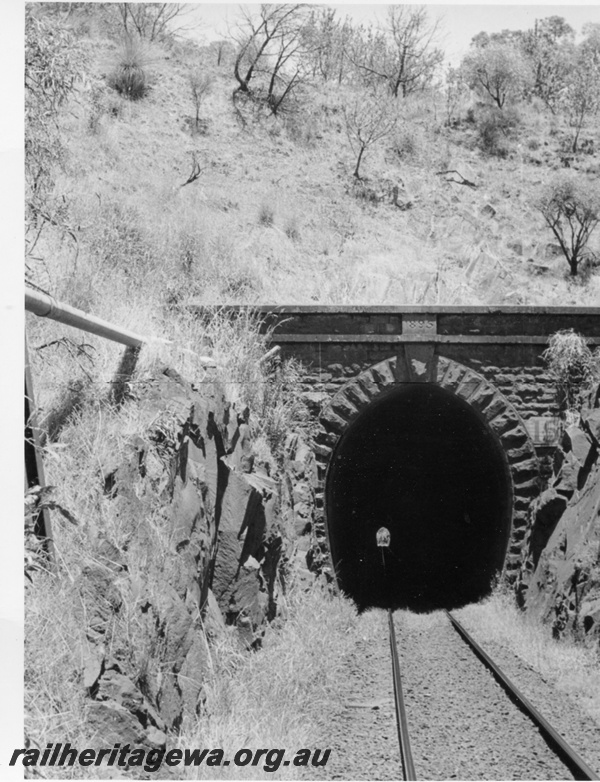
(226, 535)
(560, 580)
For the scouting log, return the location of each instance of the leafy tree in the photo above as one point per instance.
(505, 37)
(571, 209)
(590, 46)
(402, 52)
(550, 49)
(480, 41)
(554, 29)
(497, 70)
(369, 118)
(547, 49)
(581, 97)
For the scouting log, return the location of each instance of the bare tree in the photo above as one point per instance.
(571, 209)
(271, 46)
(150, 20)
(329, 40)
(369, 118)
(455, 90)
(200, 86)
(224, 51)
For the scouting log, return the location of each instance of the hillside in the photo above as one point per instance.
(275, 215)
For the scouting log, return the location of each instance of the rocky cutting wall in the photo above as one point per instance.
(229, 532)
(560, 579)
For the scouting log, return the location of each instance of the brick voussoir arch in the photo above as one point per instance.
(491, 405)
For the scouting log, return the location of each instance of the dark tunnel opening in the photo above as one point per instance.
(422, 463)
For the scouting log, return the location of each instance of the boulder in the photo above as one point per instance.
(488, 210)
(564, 589)
(591, 425)
(576, 441)
(567, 479)
(547, 511)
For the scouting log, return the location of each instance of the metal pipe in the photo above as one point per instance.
(270, 354)
(46, 307)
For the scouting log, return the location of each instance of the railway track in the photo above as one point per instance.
(556, 744)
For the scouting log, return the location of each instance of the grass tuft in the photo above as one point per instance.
(266, 214)
(571, 668)
(129, 76)
(275, 698)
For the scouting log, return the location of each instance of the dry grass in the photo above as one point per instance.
(569, 667)
(275, 698)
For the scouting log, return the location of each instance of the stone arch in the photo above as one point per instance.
(489, 403)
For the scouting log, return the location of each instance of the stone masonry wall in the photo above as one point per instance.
(528, 388)
(524, 386)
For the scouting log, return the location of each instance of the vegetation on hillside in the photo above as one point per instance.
(268, 121)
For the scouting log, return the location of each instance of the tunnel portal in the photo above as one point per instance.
(421, 462)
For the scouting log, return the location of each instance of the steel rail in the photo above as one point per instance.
(578, 767)
(401, 720)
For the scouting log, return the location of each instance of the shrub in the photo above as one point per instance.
(494, 127)
(102, 105)
(129, 77)
(571, 209)
(266, 215)
(405, 145)
(304, 127)
(54, 62)
(292, 228)
(573, 367)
